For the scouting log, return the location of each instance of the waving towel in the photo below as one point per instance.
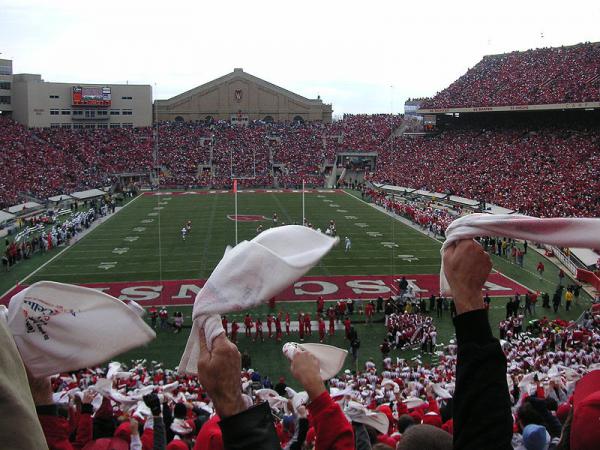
(60, 327)
(250, 274)
(356, 412)
(564, 232)
(331, 359)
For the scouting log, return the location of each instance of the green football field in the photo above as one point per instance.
(144, 240)
(143, 243)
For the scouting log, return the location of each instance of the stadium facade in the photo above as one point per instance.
(240, 97)
(36, 103)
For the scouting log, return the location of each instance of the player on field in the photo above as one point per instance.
(274, 219)
(183, 233)
(248, 324)
(188, 225)
(287, 323)
(348, 244)
(278, 327)
(321, 329)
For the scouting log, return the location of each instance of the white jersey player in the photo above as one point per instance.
(348, 244)
(183, 233)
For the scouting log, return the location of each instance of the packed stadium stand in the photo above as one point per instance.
(524, 391)
(534, 77)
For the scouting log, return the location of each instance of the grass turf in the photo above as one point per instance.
(144, 242)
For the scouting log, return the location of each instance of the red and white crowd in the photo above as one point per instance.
(533, 77)
(111, 404)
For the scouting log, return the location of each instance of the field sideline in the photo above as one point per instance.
(141, 249)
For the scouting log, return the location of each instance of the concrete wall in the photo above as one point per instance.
(35, 103)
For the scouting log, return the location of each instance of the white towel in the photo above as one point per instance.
(331, 359)
(357, 412)
(250, 274)
(60, 327)
(564, 232)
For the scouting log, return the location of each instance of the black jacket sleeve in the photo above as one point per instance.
(251, 429)
(482, 415)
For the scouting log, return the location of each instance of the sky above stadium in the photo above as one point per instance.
(362, 56)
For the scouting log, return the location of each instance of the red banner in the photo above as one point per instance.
(183, 292)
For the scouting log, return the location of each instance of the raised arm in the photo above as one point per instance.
(482, 417)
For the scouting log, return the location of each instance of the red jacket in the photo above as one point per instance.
(210, 436)
(332, 429)
(56, 430)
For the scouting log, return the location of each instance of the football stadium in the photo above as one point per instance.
(236, 267)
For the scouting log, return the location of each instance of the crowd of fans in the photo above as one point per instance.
(547, 172)
(544, 171)
(541, 76)
(146, 406)
(185, 154)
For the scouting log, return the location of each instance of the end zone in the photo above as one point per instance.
(183, 292)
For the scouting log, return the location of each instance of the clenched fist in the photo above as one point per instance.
(467, 267)
(219, 372)
(305, 368)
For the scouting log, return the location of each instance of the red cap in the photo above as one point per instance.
(585, 428)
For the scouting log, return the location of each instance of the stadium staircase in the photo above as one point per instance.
(399, 131)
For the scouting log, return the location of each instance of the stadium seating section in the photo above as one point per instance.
(549, 171)
(533, 77)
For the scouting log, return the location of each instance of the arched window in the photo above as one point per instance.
(179, 119)
(268, 119)
(298, 119)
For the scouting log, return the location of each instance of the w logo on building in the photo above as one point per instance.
(238, 95)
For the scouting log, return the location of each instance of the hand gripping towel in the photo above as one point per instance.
(357, 412)
(60, 327)
(331, 359)
(250, 274)
(564, 232)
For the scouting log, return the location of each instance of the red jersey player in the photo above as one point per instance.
(320, 305)
(301, 326)
(321, 329)
(234, 331)
(369, 311)
(307, 324)
(278, 327)
(347, 326)
(287, 323)
(248, 324)
(259, 330)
